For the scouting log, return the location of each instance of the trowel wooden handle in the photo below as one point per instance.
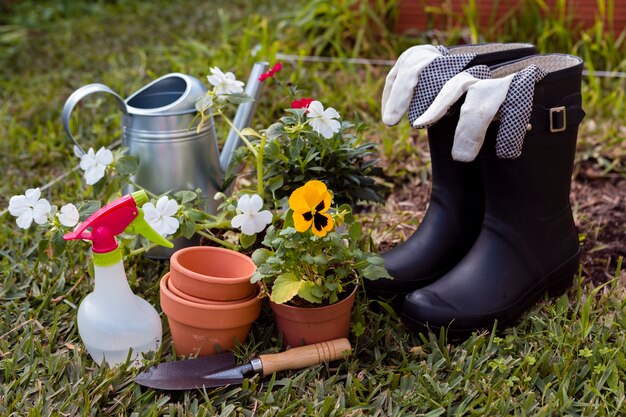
(304, 356)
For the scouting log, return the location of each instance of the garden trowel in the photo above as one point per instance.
(221, 369)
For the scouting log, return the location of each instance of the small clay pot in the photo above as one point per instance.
(308, 325)
(184, 295)
(212, 273)
(200, 329)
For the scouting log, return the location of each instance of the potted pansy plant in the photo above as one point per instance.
(311, 264)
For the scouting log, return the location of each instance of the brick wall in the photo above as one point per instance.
(418, 15)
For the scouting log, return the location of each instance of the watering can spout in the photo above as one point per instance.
(244, 115)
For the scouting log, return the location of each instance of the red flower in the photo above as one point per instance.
(303, 103)
(277, 67)
(269, 74)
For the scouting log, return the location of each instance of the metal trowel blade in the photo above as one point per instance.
(185, 374)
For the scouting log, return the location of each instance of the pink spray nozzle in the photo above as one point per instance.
(108, 222)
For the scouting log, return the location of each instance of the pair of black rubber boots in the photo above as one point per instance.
(498, 233)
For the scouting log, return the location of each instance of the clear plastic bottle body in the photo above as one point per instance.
(112, 320)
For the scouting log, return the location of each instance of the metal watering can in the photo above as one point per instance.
(159, 129)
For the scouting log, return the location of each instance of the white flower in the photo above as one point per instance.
(251, 220)
(224, 83)
(29, 207)
(68, 215)
(94, 164)
(204, 103)
(323, 121)
(160, 217)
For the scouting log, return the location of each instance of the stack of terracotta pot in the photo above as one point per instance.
(208, 299)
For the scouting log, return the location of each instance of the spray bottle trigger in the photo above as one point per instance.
(141, 226)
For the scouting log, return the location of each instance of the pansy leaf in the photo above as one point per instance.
(256, 277)
(320, 259)
(374, 272)
(285, 288)
(307, 292)
(376, 260)
(260, 256)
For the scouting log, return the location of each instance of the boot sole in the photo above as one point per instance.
(555, 284)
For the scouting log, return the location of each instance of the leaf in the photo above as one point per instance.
(374, 272)
(248, 131)
(44, 250)
(188, 229)
(285, 288)
(185, 196)
(358, 329)
(127, 165)
(307, 292)
(57, 242)
(256, 277)
(275, 183)
(197, 215)
(238, 98)
(246, 240)
(354, 232)
(376, 260)
(88, 208)
(320, 259)
(260, 256)
(274, 130)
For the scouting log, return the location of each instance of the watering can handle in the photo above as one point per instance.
(77, 96)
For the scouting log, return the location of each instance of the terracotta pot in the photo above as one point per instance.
(184, 295)
(212, 273)
(309, 325)
(198, 329)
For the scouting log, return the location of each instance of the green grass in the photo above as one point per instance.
(566, 357)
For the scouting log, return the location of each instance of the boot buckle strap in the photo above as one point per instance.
(558, 119)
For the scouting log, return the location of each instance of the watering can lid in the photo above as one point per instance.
(170, 94)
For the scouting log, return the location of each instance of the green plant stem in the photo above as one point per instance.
(139, 187)
(222, 242)
(260, 187)
(258, 154)
(225, 224)
(144, 249)
(242, 137)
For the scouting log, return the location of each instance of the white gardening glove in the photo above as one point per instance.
(449, 94)
(402, 79)
(482, 102)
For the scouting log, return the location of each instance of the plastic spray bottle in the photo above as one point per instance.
(112, 320)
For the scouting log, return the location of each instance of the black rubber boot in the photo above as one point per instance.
(455, 212)
(528, 243)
